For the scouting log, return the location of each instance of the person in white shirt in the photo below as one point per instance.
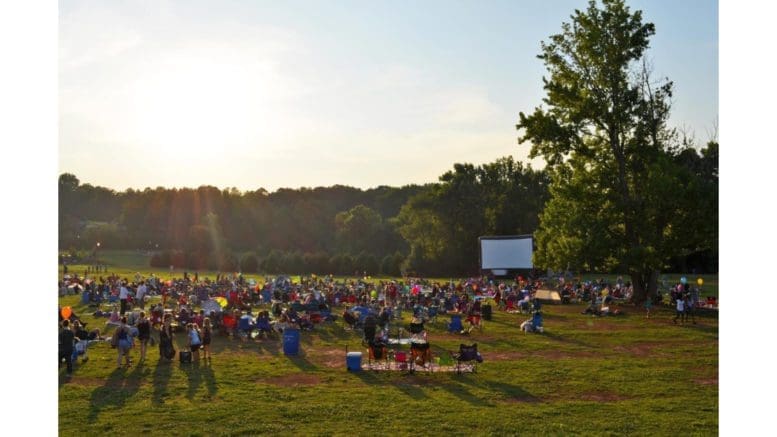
(141, 294)
(123, 294)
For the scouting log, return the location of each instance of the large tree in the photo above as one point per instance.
(620, 194)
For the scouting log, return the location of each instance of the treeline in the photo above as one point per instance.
(276, 262)
(430, 229)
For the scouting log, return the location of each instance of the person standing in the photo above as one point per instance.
(648, 306)
(66, 338)
(193, 341)
(141, 295)
(144, 334)
(680, 309)
(123, 295)
(207, 333)
(166, 349)
(689, 304)
(123, 342)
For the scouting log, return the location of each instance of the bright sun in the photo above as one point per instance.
(196, 103)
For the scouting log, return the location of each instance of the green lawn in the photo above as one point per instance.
(594, 376)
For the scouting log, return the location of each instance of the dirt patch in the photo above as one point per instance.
(639, 350)
(332, 358)
(708, 381)
(292, 380)
(603, 397)
(553, 355)
(523, 400)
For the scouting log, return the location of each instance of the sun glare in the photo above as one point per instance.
(196, 104)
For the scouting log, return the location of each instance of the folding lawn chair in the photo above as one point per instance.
(467, 354)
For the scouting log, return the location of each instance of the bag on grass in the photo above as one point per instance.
(185, 356)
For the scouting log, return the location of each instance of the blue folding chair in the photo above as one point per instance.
(455, 324)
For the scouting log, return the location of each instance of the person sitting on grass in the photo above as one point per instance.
(115, 318)
(83, 339)
(282, 323)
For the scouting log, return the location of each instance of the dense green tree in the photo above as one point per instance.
(619, 199)
(249, 263)
(358, 229)
(442, 223)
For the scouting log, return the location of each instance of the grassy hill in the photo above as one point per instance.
(604, 376)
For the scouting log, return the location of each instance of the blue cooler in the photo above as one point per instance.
(353, 361)
(291, 341)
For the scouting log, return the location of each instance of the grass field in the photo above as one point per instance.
(584, 375)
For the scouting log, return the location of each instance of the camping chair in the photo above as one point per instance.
(416, 328)
(467, 354)
(401, 359)
(431, 314)
(377, 352)
(263, 323)
(420, 354)
(244, 326)
(455, 324)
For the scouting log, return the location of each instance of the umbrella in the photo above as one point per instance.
(221, 301)
(211, 306)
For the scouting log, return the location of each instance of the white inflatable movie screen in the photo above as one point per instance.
(506, 253)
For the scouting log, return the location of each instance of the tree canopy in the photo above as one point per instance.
(625, 194)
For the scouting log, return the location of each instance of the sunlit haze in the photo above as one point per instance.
(289, 94)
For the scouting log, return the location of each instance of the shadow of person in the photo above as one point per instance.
(210, 379)
(162, 373)
(194, 376)
(118, 387)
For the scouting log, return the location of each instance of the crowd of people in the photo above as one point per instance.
(231, 305)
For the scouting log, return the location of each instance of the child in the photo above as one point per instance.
(123, 342)
(680, 310)
(648, 305)
(193, 341)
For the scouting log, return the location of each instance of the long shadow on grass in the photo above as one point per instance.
(210, 379)
(332, 332)
(119, 386)
(194, 376)
(302, 362)
(461, 392)
(511, 392)
(162, 375)
(567, 340)
(405, 383)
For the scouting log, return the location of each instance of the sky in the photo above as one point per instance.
(252, 94)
